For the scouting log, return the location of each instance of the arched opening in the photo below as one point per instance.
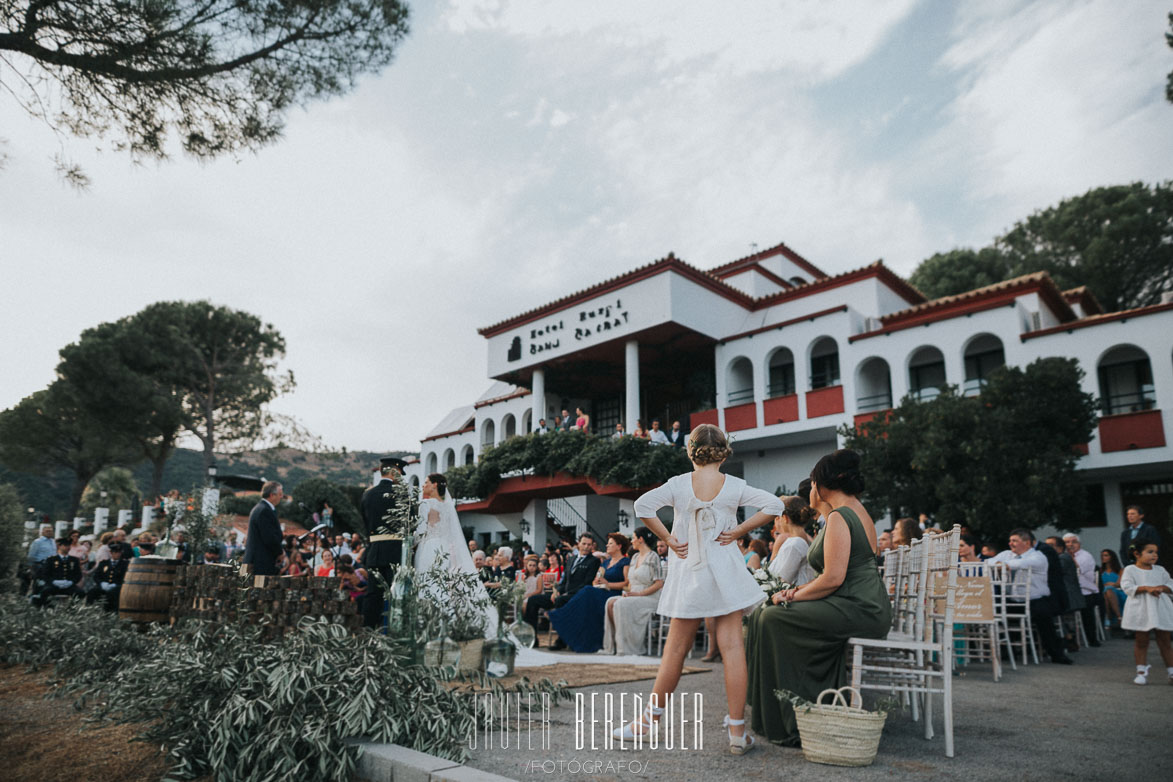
(873, 386)
(926, 373)
(466, 455)
(1126, 380)
(780, 380)
(488, 433)
(431, 463)
(415, 485)
(824, 363)
(527, 422)
(508, 426)
(739, 381)
(449, 459)
(983, 355)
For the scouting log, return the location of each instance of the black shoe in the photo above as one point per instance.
(1064, 660)
(558, 645)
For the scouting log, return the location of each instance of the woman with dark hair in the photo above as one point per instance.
(625, 630)
(1114, 596)
(904, 531)
(792, 542)
(968, 548)
(798, 643)
(579, 623)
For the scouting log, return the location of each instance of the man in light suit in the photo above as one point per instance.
(263, 546)
(579, 572)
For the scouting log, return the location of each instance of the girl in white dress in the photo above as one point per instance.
(791, 543)
(1149, 607)
(706, 576)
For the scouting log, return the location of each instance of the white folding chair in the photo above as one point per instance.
(1017, 589)
(922, 665)
(975, 639)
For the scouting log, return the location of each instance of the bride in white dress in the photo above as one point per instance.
(439, 534)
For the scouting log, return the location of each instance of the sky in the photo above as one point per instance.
(517, 151)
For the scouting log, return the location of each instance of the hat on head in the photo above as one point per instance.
(387, 463)
(346, 536)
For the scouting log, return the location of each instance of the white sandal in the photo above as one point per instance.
(738, 745)
(644, 720)
(1142, 674)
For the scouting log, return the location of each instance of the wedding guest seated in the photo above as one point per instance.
(905, 531)
(662, 550)
(533, 579)
(1023, 554)
(578, 573)
(60, 575)
(1086, 566)
(625, 629)
(108, 578)
(792, 542)
(967, 549)
(327, 567)
(800, 646)
(579, 623)
(481, 563)
(989, 551)
(554, 564)
(1114, 597)
(503, 571)
(212, 555)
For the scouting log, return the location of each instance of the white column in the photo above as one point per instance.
(539, 399)
(631, 362)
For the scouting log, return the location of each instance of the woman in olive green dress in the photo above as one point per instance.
(799, 642)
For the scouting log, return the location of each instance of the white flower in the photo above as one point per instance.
(761, 575)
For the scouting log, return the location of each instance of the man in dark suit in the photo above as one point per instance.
(60, 575)
(1137, 532)
(579, 572)
(384, 544)
(676, 435)
(109, 577)
(263, 546)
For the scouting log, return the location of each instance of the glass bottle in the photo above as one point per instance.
(442, 651)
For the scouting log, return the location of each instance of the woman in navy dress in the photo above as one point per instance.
(579, 623)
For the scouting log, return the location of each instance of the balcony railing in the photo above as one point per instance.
(1133, 402)
(867, 404)
(926, 394)
(780, 389)
(740, 396)
(974, 386)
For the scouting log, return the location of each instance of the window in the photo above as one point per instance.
(926, 373)
(607, 414)
(983, 355)
(781, 378)
(739, 382)
(1127, 387)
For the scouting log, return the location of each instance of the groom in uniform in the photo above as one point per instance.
(385, 550)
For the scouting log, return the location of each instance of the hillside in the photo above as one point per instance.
(50, 493)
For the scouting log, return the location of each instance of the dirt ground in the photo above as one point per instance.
(46, 740)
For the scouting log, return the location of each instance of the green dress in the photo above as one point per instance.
(801, 647)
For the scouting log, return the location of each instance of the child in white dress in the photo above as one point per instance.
(706, 576)
(1149, 607)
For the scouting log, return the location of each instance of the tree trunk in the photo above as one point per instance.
(157, 464)
(79, 486)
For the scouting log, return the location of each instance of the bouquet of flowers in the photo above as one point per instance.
(769, 583)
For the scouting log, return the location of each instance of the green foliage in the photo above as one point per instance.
(960, 270)
(626, 461)
(49, 430)
(12, 514)
(215, 77)
(1116, 240)
(313, 492)
(454, 596)
(120, 488)
(1001, 460)
(239, 505)
(227, 706)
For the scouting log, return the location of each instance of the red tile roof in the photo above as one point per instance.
(724, 270)
(1096, 320)
(1085, 298)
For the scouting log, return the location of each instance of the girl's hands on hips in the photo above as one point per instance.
(729, 535)
(681, 549)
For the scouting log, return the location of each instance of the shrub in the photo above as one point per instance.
(11, 535)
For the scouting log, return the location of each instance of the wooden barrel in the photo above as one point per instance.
(146, 593)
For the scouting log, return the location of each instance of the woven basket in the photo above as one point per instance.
(471, 653)
(838, 734)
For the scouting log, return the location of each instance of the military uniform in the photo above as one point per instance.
(109, 571)
(384, 551)
(59, 568)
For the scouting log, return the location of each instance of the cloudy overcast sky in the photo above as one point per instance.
(518, 151)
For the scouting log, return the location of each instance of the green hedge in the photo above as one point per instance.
(626, 461)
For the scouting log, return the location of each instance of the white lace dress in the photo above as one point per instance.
(713, 580)
(1147, 611)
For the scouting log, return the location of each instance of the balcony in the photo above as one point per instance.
(864, 418)
(703, 417)
(780, 409)
(1132, 431)
(824, 401)
(741, 417)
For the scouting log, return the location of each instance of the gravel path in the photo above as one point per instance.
(1045, 722)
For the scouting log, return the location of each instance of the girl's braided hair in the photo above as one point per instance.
(708, 445)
